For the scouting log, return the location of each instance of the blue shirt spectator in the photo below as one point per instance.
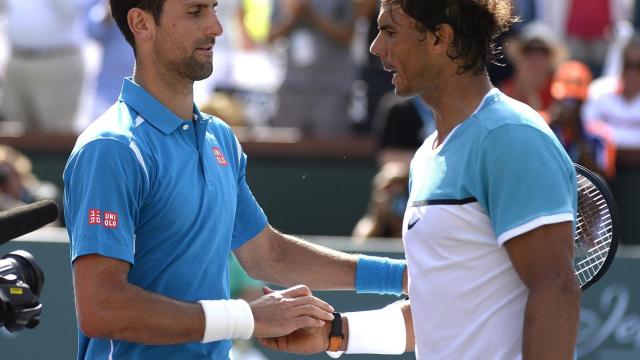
(117, 58)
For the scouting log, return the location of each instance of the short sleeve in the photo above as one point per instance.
(527, 181)
(250, 219)
(103, 190)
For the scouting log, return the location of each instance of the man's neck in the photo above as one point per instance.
(456, 100)
(173, 92)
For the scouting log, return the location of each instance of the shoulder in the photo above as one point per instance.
(508, 121)
(110, 138)
(220, 129)
(118, 123)
(224, 134)
(217, 124)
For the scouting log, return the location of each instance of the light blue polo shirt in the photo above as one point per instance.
(170, 198)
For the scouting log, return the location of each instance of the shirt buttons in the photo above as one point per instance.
(185, 127)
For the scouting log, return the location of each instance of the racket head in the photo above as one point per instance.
(597, 228)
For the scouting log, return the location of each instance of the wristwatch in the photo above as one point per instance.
(335, 337)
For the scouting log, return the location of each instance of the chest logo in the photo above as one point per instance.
(222, 161)
(410, 225)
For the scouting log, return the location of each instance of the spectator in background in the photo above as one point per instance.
(585, 24)
(255, 20)
(535, 52)
(117, 57)
(46, 69)
(11, 189)
(370, 70)
(525, 10)
(588, 22)
(619, 106)
(400, 127)
(315, 93)
(586, 145)
(387, 203)
(18, 184)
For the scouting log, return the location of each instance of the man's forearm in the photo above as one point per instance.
(551, 323)
(286, 260)
(140, 316)
(296, 261)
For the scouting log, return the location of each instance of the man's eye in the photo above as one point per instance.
(194, 12)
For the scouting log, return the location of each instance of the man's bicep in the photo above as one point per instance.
(95, 277)
(93, 270)
(253, 253)
(543, 254)
(104, 187)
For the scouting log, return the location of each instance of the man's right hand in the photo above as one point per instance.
(279, 313)
(305, 341)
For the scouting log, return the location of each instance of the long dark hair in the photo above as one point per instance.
(476, 25)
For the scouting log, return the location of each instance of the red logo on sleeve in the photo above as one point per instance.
(110, 219)
(107, 219)
(95, 217)
(222, 161)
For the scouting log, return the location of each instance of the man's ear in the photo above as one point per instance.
(443, 38)
(142, 24)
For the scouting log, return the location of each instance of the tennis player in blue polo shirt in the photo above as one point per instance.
(156, 198)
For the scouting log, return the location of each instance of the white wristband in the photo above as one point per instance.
(226, 319)
(377, 331)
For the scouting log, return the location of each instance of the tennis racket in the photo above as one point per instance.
(598, 225)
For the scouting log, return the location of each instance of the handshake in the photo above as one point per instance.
(292, 320)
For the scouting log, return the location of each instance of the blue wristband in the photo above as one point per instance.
(379, 275)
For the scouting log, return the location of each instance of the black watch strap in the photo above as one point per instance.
(336, 336)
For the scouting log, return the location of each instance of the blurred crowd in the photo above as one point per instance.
(304, 66)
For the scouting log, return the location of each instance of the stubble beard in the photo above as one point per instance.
(407, 91)
(424, 84)
(188, 67)
(194, 69)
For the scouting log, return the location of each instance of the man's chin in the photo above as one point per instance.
(404, 92)
(202, 76)
(202, 73)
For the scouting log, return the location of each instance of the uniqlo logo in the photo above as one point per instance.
(110, 219)
(222, 161)
(95, 217)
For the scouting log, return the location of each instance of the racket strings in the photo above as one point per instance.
(593, 231)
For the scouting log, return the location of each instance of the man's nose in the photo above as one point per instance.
(214, 25)
(376, 48)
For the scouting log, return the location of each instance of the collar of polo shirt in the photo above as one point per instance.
(151, 110)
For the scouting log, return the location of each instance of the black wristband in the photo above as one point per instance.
(336, 325)
(336, 337)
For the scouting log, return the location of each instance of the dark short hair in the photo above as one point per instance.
(120, 10)
(476, 25)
